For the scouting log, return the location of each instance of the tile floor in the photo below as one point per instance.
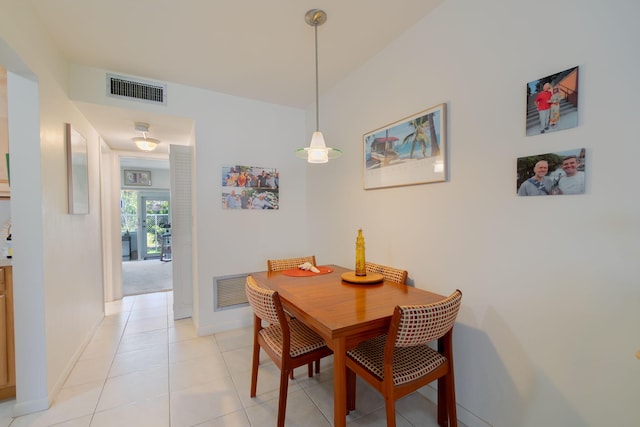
(142, 369)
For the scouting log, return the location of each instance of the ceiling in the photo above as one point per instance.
(261, 50)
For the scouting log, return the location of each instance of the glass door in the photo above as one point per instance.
(156, 222)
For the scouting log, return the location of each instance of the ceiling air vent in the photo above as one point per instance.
(126, 87)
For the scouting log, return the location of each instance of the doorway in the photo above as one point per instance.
(146, 228)
(156, 224)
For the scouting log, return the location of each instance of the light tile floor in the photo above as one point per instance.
(142, 368)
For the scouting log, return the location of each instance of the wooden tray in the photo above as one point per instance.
(350, 276)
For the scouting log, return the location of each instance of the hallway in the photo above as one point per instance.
(142, 369)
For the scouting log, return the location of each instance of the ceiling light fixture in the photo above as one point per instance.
(317, 152)
(144, 143)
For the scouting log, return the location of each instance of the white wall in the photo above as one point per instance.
(551, 307)
(57, 265)
(229, 130)
(241, 132)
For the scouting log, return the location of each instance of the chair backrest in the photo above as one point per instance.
(287, 263)
(420, 324)
(262, 301)
(389, 273)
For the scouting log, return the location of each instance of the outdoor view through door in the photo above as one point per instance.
(146, 241)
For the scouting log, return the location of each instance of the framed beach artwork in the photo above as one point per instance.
(77, 171)
(250, 187)
(551, 174)
(407, 152)
(552, 103)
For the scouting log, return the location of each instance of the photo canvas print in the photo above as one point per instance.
(552, 103)
(552, 174)
(250, 187)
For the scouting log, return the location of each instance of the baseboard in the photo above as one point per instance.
(29, 407)
(203, 330)
(23, 408)
(468, 418)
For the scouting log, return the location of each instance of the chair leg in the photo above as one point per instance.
(254, 369)
(351, 390)
(451, 400)
(282, 399)
(310, 369)
(390, 405)
(318, 366)
(442, 403)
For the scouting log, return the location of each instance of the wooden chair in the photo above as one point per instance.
(287, 263)
(401, 362)
(288, 342)
(389, 273)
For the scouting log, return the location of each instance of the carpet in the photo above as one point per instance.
(141, 277)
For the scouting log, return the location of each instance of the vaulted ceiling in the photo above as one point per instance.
(256, 49)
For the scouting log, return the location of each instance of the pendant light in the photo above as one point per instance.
(317, 152)
(144, 143)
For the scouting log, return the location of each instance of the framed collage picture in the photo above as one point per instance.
(250, 187)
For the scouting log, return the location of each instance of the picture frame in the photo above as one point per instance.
(551, 174)
(77, 171)
(137, 177)
(250, 187)
(410, 151)
(552, 103)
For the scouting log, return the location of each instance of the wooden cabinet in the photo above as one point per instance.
(7, 349)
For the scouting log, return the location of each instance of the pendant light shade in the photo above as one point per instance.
(144, 143)
(317, 152)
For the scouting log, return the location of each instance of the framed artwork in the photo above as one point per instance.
(250, 187)
(77, 171)
(407, 152)
(552, 174)
(552, 103)
(136, 177)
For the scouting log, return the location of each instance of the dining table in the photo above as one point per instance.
(343, 313)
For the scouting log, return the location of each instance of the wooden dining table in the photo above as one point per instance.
(343, 313)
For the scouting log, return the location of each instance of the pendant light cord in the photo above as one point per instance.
(317, 98)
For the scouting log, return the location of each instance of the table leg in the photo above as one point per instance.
(339, 383)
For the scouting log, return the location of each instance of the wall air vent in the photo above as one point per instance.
(126, 87)
(229, 291)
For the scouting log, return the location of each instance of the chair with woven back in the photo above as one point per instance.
(389, 273)
(287, 263)
(288, 342)
(401, 361)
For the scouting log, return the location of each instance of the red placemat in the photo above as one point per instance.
(296, 272)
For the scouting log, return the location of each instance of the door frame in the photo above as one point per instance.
(143, 197)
